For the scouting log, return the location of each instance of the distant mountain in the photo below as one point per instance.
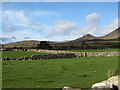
(112, 36)
(87, 37)
(84, 38)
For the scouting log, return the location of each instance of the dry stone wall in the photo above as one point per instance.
(61, 54)
(78, 54)
(39, 57)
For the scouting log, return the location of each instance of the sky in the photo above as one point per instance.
(56, 21)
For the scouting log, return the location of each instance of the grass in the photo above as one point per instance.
(57, 73)
(18, 54)
(91, 50)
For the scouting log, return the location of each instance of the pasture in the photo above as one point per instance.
(57, 73)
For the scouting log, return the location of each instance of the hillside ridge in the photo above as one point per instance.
(87, 37)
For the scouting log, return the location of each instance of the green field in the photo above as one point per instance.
(91, 50)
(18, 54)
(75, 72)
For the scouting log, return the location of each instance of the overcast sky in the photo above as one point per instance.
(57, 21)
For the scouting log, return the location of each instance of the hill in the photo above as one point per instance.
(23, 43)
(112, 36)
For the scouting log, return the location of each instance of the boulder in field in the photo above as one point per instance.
(110, 84)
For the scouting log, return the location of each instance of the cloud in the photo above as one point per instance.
(26, 37)
(63, 27)
(24, 32)
(44, 13)
(93, 25)
(38, 26)
(15, 17)
(15, 20)
(13, 38)
(93, 20)
(7, 39)
(9, 27)
(23, 17)
(60, 30)
(110, 27)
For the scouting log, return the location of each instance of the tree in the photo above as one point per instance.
(44, 45)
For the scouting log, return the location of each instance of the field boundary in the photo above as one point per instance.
(39, 57)
(78, 54)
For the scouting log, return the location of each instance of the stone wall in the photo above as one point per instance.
(46, 56)
(78, 54)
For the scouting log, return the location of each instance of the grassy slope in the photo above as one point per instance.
(14, 54)
(76, 72)
(91, 50)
